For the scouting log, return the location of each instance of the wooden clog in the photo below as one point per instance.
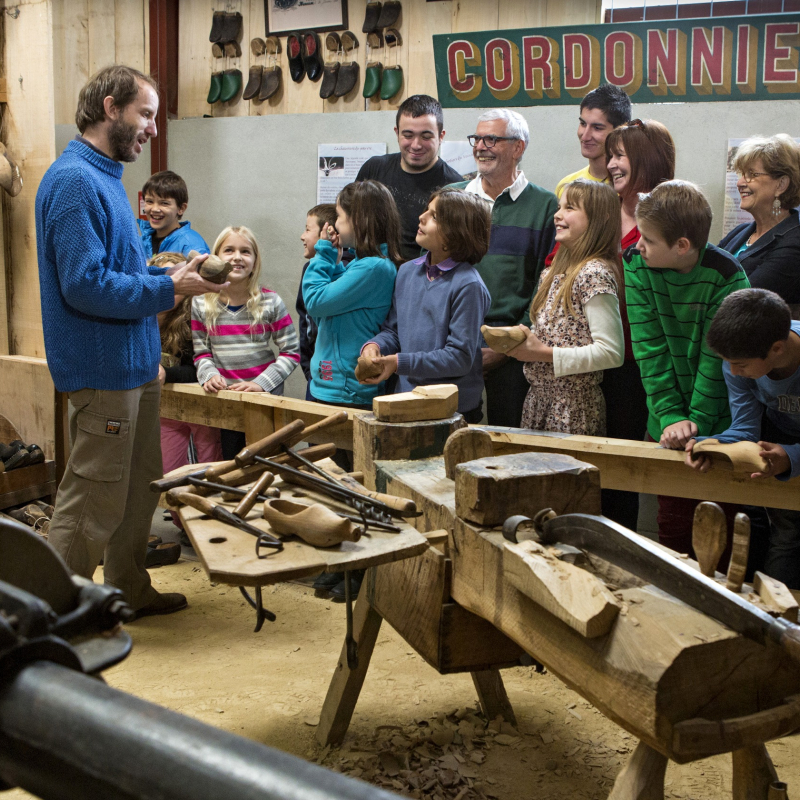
(501, 340)
(316, 524)
(213, 269)
(365, 369)
(437, 401)
(741, 456)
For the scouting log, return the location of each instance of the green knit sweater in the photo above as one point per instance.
(670, 313)
(522, 236)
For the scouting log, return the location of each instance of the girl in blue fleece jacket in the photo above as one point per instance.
(349, 303)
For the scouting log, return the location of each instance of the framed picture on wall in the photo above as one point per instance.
(285, 16)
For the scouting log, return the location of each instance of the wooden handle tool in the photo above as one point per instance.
(709, 536)
(249, 500)
(246, 474)
(337, 418)
(269, 444)
(401, 504)
(741, 549)
(180, 477)
(224, 467)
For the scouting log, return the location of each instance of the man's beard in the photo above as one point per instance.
(121, 139)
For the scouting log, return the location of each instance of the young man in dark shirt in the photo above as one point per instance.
(416, 171)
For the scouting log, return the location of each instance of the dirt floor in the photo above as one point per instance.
(412, 726)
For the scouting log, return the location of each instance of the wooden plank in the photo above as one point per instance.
(27, 483)
(28, 401)
(195, 61)
(522, 14)
(647, 467)
(70, 57)
(354, 101)
(228, 554)
(100, 22)
(29, 122)
(130, 21)
(573, 12)
(491, 489)
(778, 599)
(424, 19)
(343, 691)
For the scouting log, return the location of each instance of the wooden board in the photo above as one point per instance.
(228, 554)
(490, 490)
(27, 483)
(739, 456)
(422, 403)
(646, 467)
(255, 413)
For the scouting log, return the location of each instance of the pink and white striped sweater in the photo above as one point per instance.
(231, 351)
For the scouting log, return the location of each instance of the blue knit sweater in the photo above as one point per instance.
(181, 240)
(99, 299)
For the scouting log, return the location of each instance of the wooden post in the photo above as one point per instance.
(492, 695)
(340, 702)
(753, 773)
(642, 778)
(29, 121)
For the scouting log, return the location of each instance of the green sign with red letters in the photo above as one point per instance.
(679, 61)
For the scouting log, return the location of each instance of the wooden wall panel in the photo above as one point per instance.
(419, 21)
(70, 56)
(100, 23)
(130, 27)
(29, 124)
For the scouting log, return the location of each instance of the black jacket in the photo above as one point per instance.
(773, 262)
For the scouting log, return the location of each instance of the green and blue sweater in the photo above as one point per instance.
(670, 313)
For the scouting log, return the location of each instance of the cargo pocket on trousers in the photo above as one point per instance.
(98, 453)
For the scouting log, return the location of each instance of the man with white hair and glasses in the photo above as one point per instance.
(522, 236)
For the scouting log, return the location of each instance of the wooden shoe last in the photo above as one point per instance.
(316, 524)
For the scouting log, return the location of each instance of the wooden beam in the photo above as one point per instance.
(29, 120)
(646, 467)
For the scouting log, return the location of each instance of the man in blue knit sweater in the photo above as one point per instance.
(99, 306)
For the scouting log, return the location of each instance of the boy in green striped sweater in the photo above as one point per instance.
(674, 283)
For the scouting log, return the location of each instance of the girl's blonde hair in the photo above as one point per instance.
(600, 241)
(213, 303)
(174, 325)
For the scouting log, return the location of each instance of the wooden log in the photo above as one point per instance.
(570, 593)
(422, 403)
(465, 445)
(501, 340)
(316, 524)
(492, 489)
(374, 439)
(778, 599)
(709, 536)
(738, 456)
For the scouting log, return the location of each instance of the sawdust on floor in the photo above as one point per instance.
(413, 730)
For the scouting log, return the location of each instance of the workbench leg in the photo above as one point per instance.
(642, 778)
(753, 772)
(345, 686)
(492, 695)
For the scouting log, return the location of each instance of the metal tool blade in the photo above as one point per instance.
(617, 545)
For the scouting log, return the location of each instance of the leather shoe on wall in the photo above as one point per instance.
(311, 57)
(295, 52)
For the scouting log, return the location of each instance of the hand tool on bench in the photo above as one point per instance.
(617, 545)
(240, 476)
(246, 504)
(238, 492)
(739, 552)
(384, 503)
(269, 445)
(222, 514)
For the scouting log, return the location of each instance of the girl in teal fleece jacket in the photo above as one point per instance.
(349, 303)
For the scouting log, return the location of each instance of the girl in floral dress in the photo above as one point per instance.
(576, 331)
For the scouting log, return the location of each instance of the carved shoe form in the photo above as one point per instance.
(232, 27)
(329, 77)
(501, 340)
(270, 82)
(316, 524)
(257, 47)
(213, 269)
(390, 13)
(272, 45)
(347, 79)
(218, 50)
(216, 26)
(215, 89)
(10, 177)
(311, 57)
(372, 79)
(333, 42)
(253, 82)
(391, 82)
(371, 17)
(231, 84)
(295, 52)
(232, 49)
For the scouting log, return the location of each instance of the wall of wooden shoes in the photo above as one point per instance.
(89, 34)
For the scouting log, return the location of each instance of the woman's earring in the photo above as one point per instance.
(776, 207)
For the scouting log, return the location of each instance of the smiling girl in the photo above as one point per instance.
(576, 331)
(231, 331)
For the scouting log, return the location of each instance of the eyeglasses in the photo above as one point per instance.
(489, 141)
(749, 176)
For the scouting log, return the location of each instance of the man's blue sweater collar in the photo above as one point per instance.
(95, 158)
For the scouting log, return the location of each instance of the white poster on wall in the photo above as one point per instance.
(339, 164)
(733, 214)
(458, 155)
